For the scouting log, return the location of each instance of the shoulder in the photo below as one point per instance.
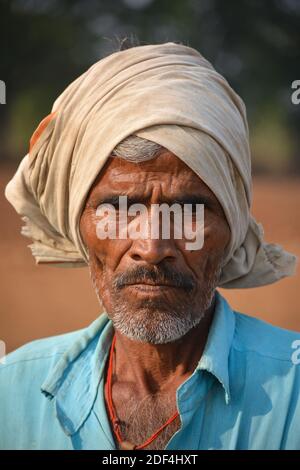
(28, 366)
(35, 359)
(40, 350)
(265, 340)
(265, 372)
(23, 407)
(267, 356)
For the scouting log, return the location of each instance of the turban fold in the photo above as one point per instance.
(167, 93)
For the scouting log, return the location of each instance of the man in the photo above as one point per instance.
(168, 365)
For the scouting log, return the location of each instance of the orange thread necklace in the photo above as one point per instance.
(115, 421)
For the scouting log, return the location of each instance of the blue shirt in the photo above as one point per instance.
(243, 394)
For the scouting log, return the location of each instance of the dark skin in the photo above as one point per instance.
(153, 368)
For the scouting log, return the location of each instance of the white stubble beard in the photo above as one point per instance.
(155, 326)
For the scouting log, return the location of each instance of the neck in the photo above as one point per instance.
(158, 368)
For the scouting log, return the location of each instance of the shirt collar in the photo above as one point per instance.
(215, 357)
(74, 380)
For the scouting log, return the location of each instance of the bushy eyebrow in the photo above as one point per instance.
(113, 199)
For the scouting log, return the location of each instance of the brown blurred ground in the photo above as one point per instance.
(43, 301)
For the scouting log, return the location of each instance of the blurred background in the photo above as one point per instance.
(46, 44)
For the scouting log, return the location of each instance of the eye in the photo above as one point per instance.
(115, 205)
(192, 208)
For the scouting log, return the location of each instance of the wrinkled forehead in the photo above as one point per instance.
(166, 173)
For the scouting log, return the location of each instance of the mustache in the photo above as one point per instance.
(159, 275)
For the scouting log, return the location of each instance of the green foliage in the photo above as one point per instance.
(255, 44)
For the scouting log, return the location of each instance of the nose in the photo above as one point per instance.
(153, 251)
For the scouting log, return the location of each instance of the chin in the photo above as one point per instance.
(152, 325)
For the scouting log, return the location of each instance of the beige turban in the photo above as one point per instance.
(169, 94)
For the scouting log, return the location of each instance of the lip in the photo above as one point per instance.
(148, 284)
(151, 288)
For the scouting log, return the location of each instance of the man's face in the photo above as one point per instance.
(154, 290)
